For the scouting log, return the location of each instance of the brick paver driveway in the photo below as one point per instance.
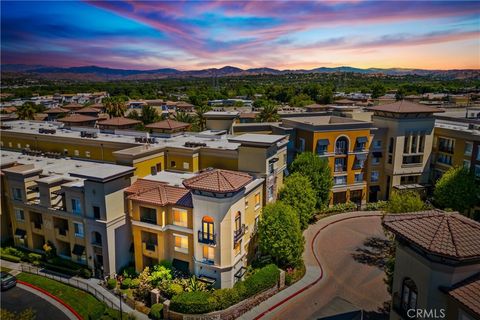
(345, 284)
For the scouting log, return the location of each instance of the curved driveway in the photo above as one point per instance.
(339, 284)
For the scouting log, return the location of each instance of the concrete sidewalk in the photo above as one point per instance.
(314, 272)
(92, 282)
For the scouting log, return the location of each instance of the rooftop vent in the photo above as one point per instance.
(195, 144)
(47, 131)
(5, 127)
(86, 134)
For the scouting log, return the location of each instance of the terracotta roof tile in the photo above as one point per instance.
(77, 118)
(168, 125)
(56, 110)
(467, 292)
(159, 193)
(88, 110)
(404, 106)
(218, 180)
(73, 106)
(119, 121)
(440, 233)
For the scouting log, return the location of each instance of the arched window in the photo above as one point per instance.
(409, 294)
(208, 228)
(341, 145)
(238, 221)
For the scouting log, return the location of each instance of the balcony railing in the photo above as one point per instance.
(341, 150)
(238, 234)
(207, 238)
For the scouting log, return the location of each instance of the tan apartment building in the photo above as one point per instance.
(437, 266)
(402, 146)
(78, 206)
(344, 143)
(201, 222)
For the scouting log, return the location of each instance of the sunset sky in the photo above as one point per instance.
(275, 34)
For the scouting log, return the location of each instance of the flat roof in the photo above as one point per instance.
(324, 120)
(258, 138)
(171, 178)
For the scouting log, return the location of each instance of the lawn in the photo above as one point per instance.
(5, 269)
(85, 304)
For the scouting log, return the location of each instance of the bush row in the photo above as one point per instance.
(340, 207)
(203, 302)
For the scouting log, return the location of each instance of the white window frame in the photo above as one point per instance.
(79, 206)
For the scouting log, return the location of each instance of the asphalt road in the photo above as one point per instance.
(17, 300)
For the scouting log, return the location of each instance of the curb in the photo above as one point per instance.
(75, 313)
(293, 295)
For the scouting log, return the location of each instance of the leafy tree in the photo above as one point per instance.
(200, 119)
(149, 115)
(269, 113)
(301, 100)
(400, 94)
(260, 103)
(26, 111)
(405, 201)
(134, 115)
(457, 190)
(299, 194)
(280, 235)
(378, 90)
(318, 172)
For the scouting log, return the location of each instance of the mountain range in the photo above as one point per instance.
(102, 73)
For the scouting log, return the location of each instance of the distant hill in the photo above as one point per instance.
(102, 73)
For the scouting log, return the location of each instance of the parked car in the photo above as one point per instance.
(8, 281)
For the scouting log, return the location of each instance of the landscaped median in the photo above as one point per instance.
(83, 303)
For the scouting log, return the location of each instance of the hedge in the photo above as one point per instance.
(60, 269)
(8, 257)
(204, 302)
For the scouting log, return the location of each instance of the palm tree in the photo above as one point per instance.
(269, 113)
(184, 117)
(115, 106)
(26, 111)
(199, 112)
(149, 115)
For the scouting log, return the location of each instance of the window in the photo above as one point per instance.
(375, 160)
(238, 221)
(173, 164)
(180, 217)
(181, 243)
(406, 143)
(257, 200)
(76, 207)
(186, 165)
(377, 144)
(412, 160)
(339, 197)
(19, 214)
(446, 145)
(237, 248)
(301, 146)
(466, 164)
(270, 193)
(444, 159)
(468, 148)
(208, 253)
(340, 180)
(65, 151)
(359, 161)
(340, 165)
(78, 227)
(10, 144)
(271, 168)
(148, 215)
(246, 204)
(255, 225)
(17, 194)
(390, 159)
(76, 153)
(341, 146)
(409, 294)
(390, 145)
(413, 149)
(96, 212)
(19, 145)
(358, 177)
(87, 154)
(477, 171)
(153, 170)
(208, 228)
(322, 145)
(356, 196)
(374, 176)
(421, 143)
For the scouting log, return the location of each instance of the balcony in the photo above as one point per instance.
(37, 227)
(207, 238)
(150, 249)
(341, 151)
(238, 234)
(62, 234)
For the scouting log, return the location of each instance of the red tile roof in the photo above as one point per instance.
(168, 125)
(218, 180)
(73, 106)
(77, 118)
(467, 292)
(159, 193)
(119, 121)
(56, 110)
(440, 233)
(404, 106)
(88, 110)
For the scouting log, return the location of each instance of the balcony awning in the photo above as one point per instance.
(180, 265)
(362, 139)
(78, 250)
(361, 156)
(377, 154)
(323, 142)
(20, 233)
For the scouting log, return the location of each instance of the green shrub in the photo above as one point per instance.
(126, 283)
(193, 302)
(111, 283)
(60, 269)
(129, 272)
(13, 252)
(156, 312)
(135, 283)
(34, 257)
(171, 289)
(293, 275)
(166, 263)
(405, 201)
(340, 207)
(262, 279)
(227, 297)
(85, 273)
(374, 206)
(10, 258)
